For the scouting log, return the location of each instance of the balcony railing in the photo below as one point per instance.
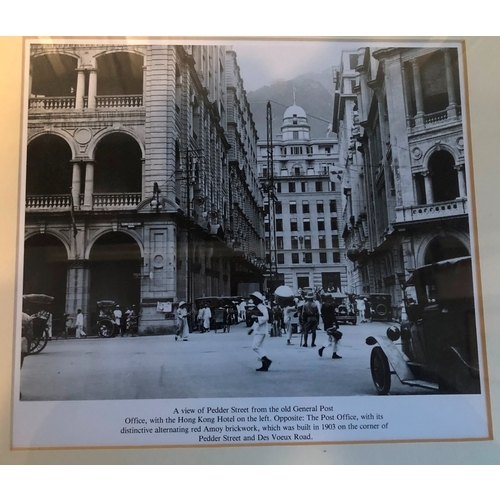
(69, 103)
(430, 119)
(432, 211)
(118, 101)
(52, 103)
(115, 200)
(112, 201)
(53, 201)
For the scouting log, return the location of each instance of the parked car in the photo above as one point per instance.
(380, 306)
(436, 346)
(344, 310)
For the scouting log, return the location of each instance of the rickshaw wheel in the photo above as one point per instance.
(105, 328)
(38, 344)
(381, 372)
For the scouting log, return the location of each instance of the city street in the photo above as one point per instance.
(208, 365)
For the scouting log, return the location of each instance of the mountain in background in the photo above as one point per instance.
(313, 93)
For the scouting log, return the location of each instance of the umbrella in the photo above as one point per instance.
(284, 295)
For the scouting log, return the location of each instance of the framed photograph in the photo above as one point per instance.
(242, 242)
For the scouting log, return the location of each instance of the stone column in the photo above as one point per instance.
(92, 89)
(77, 291)
(419, 102)
(428, 188)
(80, 89)
(452, 100)
(462, 187)
(76, 184)
(89, 185)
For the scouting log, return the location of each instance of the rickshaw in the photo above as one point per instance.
(436, 347)
(36, 313)
(106, 325)
(220, 319)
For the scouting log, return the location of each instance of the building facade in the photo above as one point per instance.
(128, 178)
(306, 181)
(406, 195)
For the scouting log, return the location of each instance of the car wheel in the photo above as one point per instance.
(381, 371)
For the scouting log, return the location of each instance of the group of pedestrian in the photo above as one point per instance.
(124, 323)
(308, 309)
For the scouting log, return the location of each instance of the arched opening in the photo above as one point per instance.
(118, 165)
(120, 73)
(45, 269)
(48, 169)
(53, 75)
(115, 270)
(444, 176)
(444, 248)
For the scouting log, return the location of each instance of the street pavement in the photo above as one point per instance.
(209, 365)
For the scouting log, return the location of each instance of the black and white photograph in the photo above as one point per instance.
(245, 242)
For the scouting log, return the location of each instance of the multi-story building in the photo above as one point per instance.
(309, 247)
(407, 199)
(128, 180)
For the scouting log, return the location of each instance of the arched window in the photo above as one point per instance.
(48, 169)
(444, 176)
(118, 165)
(443, 248)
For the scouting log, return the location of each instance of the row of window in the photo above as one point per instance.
(299, 150)
(306, 242)
(298, 171)
(292, 207)
(307, 258)
(306, 224)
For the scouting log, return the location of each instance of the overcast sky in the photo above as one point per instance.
(262, 62)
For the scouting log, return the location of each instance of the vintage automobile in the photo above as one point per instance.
(345, 310)
(436, 347)
(380, 307)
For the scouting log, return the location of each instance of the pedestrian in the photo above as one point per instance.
(310, 319)
(132, 320)
(125, 321)
(49, 326)
(79, 325)
(360, 303)
(117, 314)
(328, 311)
(259, 329)
(205, 315)
(288, 313)
(242, 309)
(183, 325)
(334, 335)
(368, 311)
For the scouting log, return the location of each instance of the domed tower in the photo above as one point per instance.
(295, 125)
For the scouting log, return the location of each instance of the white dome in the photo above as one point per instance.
(295, 111)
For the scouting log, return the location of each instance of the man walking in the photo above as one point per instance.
(79, 325)
(331, 326)
(310, 319)
(259, 330)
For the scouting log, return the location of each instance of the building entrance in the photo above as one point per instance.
(115, 267)
(45, 269)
